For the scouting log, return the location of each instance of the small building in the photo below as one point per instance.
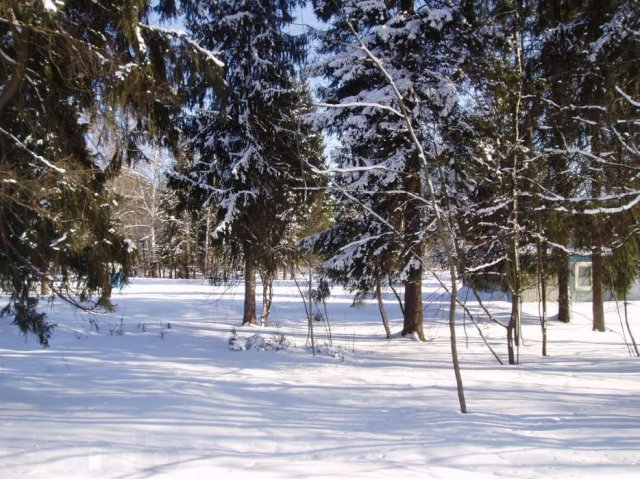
(580, 284)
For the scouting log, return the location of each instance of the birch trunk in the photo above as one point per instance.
(267, 297)
(383, 311)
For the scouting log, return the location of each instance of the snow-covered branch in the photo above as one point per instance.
(486, 265)
(628, 97)
(613, 210)
(181, 35)
(37, 157)
(364, 240)
(368, 168)
(361, 105)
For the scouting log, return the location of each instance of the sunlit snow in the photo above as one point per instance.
(159, 387)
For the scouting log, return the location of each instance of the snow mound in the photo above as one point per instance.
(257, 341)
(334, 351)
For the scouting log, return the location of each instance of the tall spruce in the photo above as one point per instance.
(501, 113)
(590, 60)
(385, 219)
(252, 150)
(63, 65)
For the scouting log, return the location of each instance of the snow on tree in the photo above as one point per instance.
(535, 163)
(251, 149)
(384, 219)
(62, 66)
(586, 54)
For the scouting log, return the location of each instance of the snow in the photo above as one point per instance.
(131, 246)
(360, 105)
(438, 17)
(59, 240)
(622, 208)
(23, 147)
(51, 6)
(158, 390)
(124, 71)
(627, 97)
(209, 55)
(142, 46)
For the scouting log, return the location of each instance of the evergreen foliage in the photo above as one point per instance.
(538, 151)
(384, 220)
(64, 65)
(252, 151)
(522, 116)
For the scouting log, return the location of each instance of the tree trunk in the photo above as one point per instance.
(564, 314)
(152, 208)
(452, 334)
(187, 256)
(249, 287)
(397, 295)
(514, 325)
(267, 297)
(543, 297)
(626, 321)
(513, 329)
(543, 318)
(596, 283)
(515, 273)
(153, 252)
(45, 288)
(383, 312)
(413, 319)
(207, 268)
(12, 86)
(194, 260)
(311, 333)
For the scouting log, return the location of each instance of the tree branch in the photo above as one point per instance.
(12, 87)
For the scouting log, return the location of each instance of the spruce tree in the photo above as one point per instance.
(64, 65)
(252, 149)
(590, 61)
(383, 182)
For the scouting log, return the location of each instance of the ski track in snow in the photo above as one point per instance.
(160, 401)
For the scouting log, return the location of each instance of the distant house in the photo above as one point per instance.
(580, 281)
(580, 284)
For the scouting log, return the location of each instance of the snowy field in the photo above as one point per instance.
(154, 389)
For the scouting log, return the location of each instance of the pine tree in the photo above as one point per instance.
(501, 115)
(252, 149)
(383, 183)
(63, 65)
(591, 56)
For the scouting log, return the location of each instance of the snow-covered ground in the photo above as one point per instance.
(155, 389)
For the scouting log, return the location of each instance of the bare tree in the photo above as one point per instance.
(141, 210)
